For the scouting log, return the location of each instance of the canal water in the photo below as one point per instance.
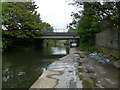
(22, 68)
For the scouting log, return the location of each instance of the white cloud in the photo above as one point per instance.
(55, 12)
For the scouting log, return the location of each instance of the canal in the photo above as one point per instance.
(22, 68)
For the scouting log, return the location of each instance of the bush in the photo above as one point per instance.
(87, 46)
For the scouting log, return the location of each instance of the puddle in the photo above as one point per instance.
(69, 79)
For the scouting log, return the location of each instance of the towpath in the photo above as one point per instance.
(78, 70)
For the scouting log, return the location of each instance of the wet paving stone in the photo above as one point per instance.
(83, 72)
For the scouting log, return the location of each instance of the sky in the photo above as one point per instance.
(55, 12)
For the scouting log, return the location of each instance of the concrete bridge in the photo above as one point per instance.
(71, 37)
(60, 36)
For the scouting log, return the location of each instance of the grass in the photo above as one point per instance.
(80, 70)
(88, 47)
(94, 81)
(90, 71)
(87, 84)
(62, 42)
(58, 59)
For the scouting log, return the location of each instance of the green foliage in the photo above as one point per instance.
(18, 34)
(50, 29)
(89, 47)
(88, 24)
(9, 37)
(50, 42)
(37, 33)
(72, 30)
(21, 16)
(6, 43)
(87, 21)
(61, 42)
(21, 21)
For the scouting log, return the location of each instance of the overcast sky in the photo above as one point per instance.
(55, 12)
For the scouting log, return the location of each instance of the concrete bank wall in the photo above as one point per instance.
(108, 40)
(109, 51)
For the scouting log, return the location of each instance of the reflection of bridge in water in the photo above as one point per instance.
(71, 37)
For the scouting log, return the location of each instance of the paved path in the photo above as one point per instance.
(95, 74)
(60, 74)
(78, 70)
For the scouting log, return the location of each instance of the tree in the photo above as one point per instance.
(47, 27)
(88, 20)
(21, 16)
(21, 21)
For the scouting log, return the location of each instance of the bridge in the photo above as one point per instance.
(71, 37)
(60, 36)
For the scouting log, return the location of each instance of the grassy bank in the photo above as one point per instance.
(88, 47)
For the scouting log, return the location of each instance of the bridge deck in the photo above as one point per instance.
(58, 36)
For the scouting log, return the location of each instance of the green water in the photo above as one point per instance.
(22, 68)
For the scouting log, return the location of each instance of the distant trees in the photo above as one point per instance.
(88, 20)
(21, 21)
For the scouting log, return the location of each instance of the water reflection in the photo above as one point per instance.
(22, 68)
(59, 50)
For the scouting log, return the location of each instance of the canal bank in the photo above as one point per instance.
(78, 70)
(21, 68)
(60, 74)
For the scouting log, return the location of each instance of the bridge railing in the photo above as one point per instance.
(51, 30)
